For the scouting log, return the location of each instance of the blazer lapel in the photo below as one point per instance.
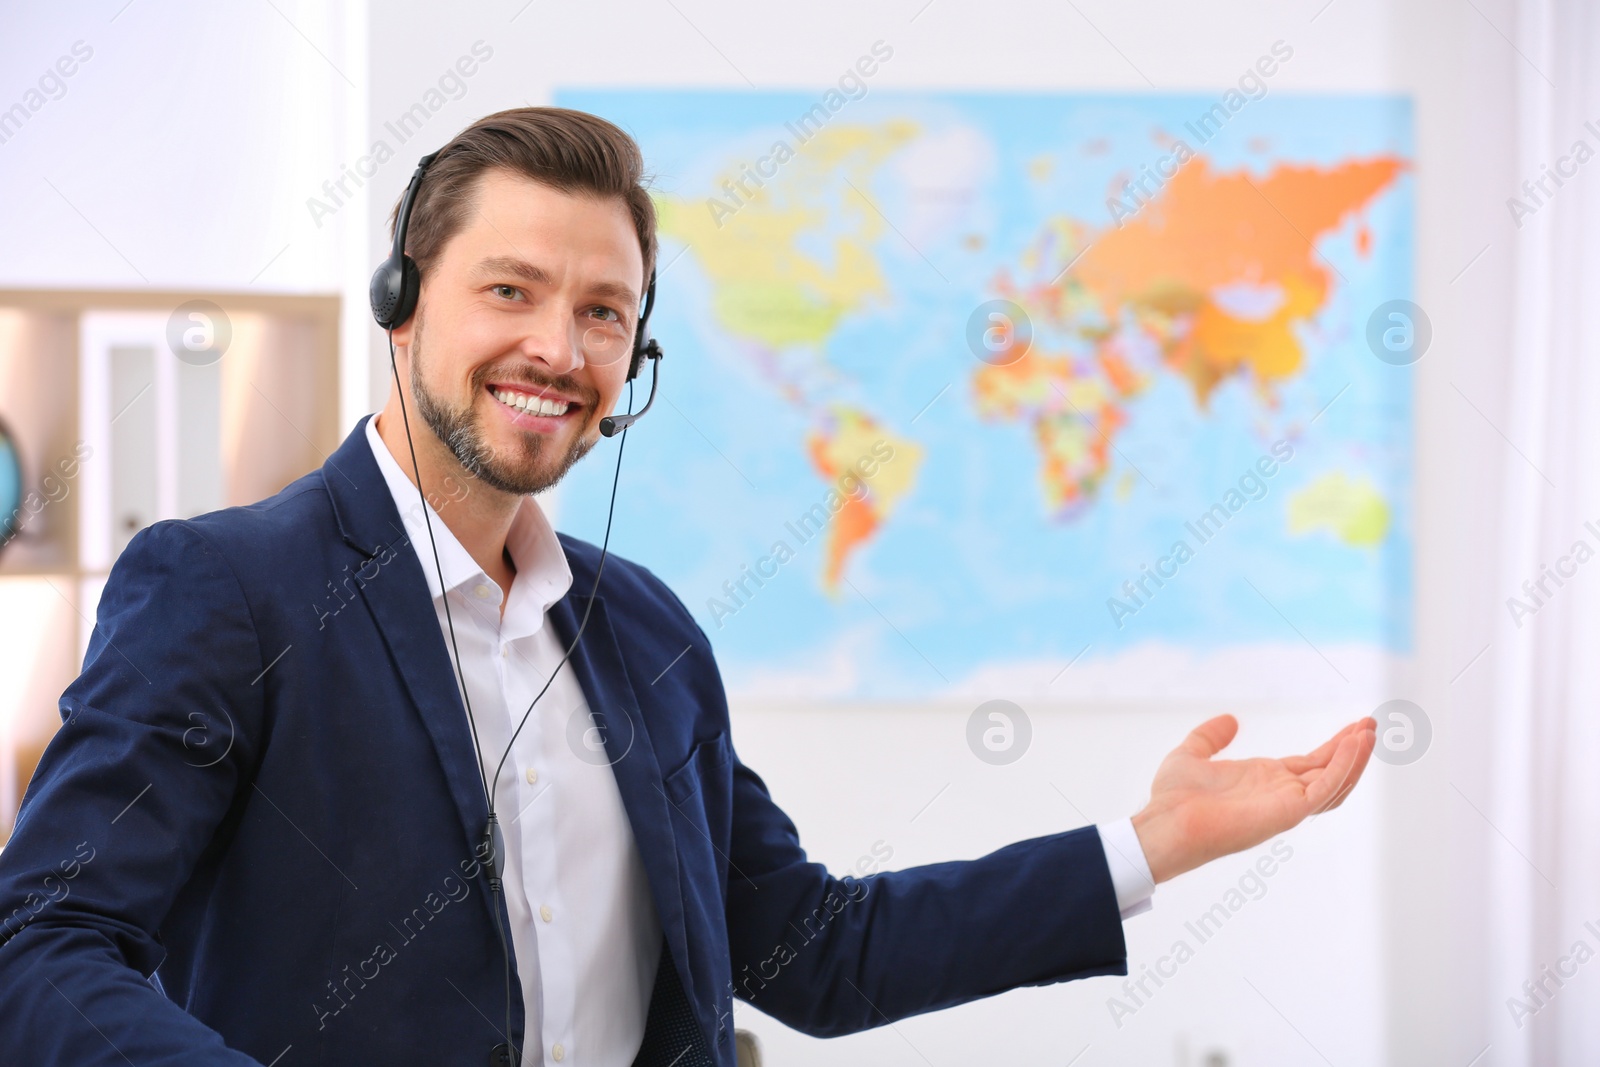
(405, 614)
(597, 662)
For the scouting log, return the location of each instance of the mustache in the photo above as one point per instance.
(564, 384)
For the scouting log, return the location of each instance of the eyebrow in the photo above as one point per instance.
(536, 275)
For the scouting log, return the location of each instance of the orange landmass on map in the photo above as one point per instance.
(1168, 272)
(884, 467)
(1207, 230)
(855, 522)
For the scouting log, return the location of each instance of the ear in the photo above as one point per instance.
(404, 332)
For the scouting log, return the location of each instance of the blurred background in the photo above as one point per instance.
(1214, 357)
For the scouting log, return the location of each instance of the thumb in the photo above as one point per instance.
(1210, 737)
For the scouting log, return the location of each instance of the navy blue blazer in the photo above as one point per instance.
(254, 838)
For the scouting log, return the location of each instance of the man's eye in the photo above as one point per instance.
(605, 313)
(508, 292)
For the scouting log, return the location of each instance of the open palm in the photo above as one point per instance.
(1203, 808)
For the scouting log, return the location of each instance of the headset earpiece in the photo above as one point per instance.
(642, 344)
(397, 281)
(394, 291)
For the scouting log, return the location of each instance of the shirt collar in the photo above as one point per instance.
(543, 575)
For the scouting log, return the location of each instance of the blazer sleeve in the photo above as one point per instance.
(849, 954)
(156, 741)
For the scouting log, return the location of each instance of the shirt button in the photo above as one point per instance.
(505, 651)
(533, 776)
(482, 591)
(546, 914)
(558, 1053)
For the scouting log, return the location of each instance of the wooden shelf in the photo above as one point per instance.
(275, 399)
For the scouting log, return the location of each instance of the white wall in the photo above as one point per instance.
(185, 152)
(182, 153)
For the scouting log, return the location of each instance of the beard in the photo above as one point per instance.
(534, 464)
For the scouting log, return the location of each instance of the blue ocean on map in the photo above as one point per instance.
(1051, 396)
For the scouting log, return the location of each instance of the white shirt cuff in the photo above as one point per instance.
(1130, 872)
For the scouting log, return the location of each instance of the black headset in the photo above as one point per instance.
(393, 292)
(397, 281)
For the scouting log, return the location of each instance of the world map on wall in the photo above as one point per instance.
(1023, 394)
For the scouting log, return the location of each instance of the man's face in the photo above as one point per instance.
(524, 329)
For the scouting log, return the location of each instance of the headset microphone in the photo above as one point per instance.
(393, 293)
(612, 425)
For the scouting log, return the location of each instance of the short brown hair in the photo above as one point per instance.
(572, 151)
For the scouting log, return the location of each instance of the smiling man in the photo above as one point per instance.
(493, 812)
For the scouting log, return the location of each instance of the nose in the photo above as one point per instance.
(554, 340)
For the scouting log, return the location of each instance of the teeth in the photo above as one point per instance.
(531, 404)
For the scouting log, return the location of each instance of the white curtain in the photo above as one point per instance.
(1542, 819)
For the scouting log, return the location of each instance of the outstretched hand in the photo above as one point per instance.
(1201, 808)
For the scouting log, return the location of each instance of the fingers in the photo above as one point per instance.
(1320, 757)
(1210, 737)
(1343, 770)
(1369, 741)
(1322, 790)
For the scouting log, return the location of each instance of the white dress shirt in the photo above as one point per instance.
(1130, 871)
(584, 928)
(571, 858)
